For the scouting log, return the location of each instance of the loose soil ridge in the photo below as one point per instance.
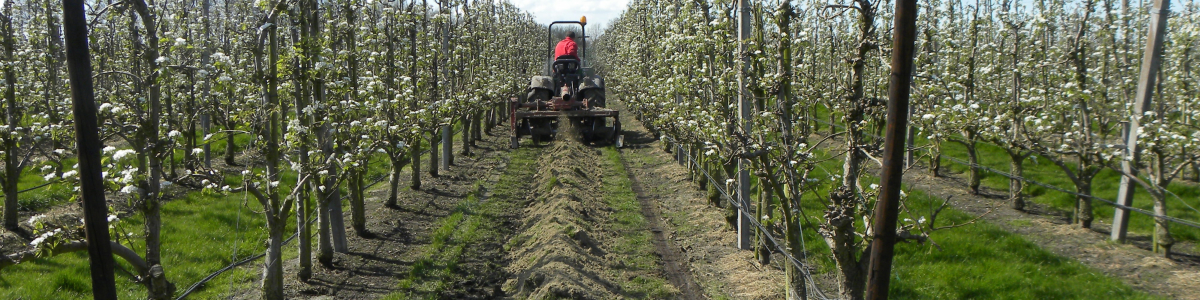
(557, 254)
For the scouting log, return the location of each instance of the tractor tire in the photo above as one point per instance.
(536, 95)
(616, 130)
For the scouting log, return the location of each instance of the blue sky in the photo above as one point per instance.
(598, 12)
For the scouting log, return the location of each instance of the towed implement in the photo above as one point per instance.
(568, 92)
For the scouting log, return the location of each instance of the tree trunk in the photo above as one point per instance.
(935, 160)
(11, 172)
(1196, 171)
(230, 146)
(1162, 233)
(761, 251)
(466, 135)
(853, 161)
(358, 215)
(840, 235)
(490, 116)
(476, 127)
(832, 120)
(714, 194)
(272, 283)
(394, 180)
(1083, 208)
(337, 222)
(414, 153)
(796, 289)
(159, 288)
(973, 159)
(1016, 187)
(304, 231)
(10, 192)
(324, 239)
(433, 150)
(54, 60)
(205, 113)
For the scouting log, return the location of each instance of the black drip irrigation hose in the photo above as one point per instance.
(37, 187)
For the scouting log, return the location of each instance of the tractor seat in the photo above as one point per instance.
(566, 64)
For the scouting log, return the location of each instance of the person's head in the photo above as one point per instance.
(571, 34)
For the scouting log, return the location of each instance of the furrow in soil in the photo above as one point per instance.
(675, 265)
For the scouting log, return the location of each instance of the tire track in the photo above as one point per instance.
(675, 264)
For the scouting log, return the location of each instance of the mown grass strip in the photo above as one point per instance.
(633, 238)
(983, 261)
(1105, 185)
(200, 232)
(976, 261)
(437, 268)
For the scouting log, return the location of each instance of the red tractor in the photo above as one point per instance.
(569, 91)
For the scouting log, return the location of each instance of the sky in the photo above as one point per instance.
(599, 12)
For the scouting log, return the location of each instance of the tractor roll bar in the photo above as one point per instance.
(550, 38)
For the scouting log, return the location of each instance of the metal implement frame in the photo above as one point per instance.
(545, 110)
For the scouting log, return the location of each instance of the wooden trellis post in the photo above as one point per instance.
(879, 268)
(87, 141)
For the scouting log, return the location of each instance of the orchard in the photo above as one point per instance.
(769, 149)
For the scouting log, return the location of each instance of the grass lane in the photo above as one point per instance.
(633, 241)
(471, 223)
(200, 233)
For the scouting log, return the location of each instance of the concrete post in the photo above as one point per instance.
(1151, 61)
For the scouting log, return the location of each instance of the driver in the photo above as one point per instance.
(567, 48)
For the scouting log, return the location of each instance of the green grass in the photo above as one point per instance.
(633, 241)
(1104, 186)
(43, 198)
(976, 261)
(199, 235)
(983, 261)
(436, 269)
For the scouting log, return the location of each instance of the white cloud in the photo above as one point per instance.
(599, 12)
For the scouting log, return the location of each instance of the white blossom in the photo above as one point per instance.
(120, 155)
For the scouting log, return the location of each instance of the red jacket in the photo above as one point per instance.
(566, 47)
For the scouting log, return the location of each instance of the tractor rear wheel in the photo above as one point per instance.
(616, 129)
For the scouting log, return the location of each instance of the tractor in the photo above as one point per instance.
(568, 92)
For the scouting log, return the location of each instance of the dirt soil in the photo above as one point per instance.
(1133, 263)
(373, 266)
(675, 265)
(705, 242)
